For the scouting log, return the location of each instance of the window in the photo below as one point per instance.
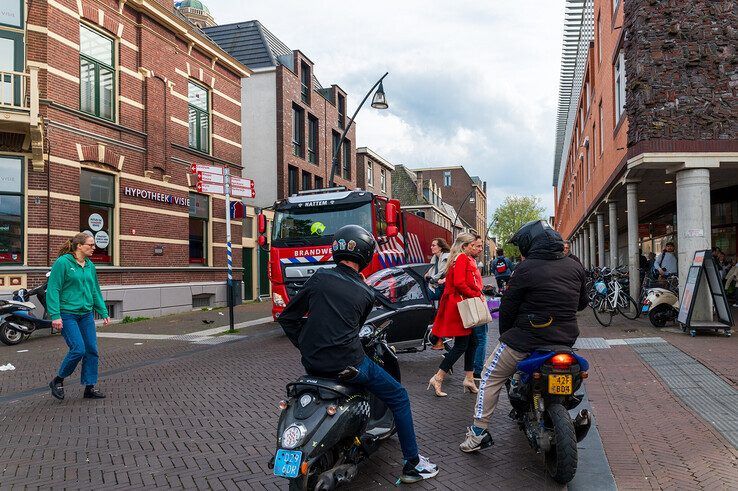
(12, 51)
(594, 144)
(305, 83)
(318, 182)
(341, 111)
(292, 184)
(346, 172)
(307, 181)
(447, 178)
(599, 39)
(298, 132)
(383, 180)
(602, 130)
(97, 201)
(248, 227)
(97, 73)
(312, 139)
(12, 13)
(199, 117)
(369, 173)
(615, 4)
(619, 86)
(11, 210)
(380, 216)
(335, 138)
(199, 214)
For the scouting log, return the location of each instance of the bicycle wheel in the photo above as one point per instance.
(628, 307)
(602, 310)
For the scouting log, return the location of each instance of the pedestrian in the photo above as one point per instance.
(463, 280)
(567, 251)
(666, 262)
(502, 268)
(72, 294)
(436, 278)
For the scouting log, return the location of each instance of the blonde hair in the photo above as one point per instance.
(463, 240)
(70, 246)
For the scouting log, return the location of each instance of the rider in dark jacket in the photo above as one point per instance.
(538, 309)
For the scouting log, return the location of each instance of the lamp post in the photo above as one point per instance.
(378, 102)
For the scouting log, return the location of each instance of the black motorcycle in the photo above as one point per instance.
(327, 428)
(542, 392)
(17, 321)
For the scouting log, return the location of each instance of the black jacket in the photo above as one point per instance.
(546, 286)
(338, 302)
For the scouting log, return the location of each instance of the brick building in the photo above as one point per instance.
(291, 123)
(112, 103)
(373, 173)
(647, 136)
(424, 198)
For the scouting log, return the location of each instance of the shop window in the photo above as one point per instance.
(198, 224)
(312, 142)
(97, 73)
(11, 210)
(97, 203)
(346, 172)
(298, 132)
(198, 117)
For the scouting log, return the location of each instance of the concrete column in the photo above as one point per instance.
(601, 239)
(585, 246)
(694, 230)
(633, 258)
(612, 208)
(592, 244)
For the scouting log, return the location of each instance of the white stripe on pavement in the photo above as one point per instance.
(193, 336)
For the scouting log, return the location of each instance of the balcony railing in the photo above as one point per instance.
(14, 90)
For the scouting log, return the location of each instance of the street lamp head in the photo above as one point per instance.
(379, 101)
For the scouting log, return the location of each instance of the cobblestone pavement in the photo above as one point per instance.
(203, 416)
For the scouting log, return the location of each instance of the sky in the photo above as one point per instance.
(472, 83)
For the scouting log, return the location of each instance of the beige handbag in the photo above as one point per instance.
(474, 312)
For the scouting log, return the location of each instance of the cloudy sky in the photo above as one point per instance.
(471, 82)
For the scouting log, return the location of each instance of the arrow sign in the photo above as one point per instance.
(210, 177)
(243, 192)
(209, 187)
(240, 182)
(211, 169)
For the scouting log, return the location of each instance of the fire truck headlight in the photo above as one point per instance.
(278, 300)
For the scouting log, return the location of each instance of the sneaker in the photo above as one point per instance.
(476, 442)
(93, 393)
(424, 469)
(57, 389)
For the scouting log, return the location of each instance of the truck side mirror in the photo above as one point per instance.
(262, 240)
(262, 223)
(391, 214)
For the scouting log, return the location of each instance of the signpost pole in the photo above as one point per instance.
(229, 252)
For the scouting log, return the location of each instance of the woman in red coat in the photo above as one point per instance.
(463, 280)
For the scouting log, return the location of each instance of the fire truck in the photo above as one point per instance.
(303, 228)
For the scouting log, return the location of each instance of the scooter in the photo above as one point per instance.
(327, 428)
(17, 321)
(662, 306)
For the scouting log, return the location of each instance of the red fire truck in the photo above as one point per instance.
(303, 228)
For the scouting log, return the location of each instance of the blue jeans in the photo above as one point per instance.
(81, 336)
(481, 333)
(380, 383)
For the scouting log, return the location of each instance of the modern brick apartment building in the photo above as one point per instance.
(373, 173)
(291, 123)
(112, 102)
(647, 137)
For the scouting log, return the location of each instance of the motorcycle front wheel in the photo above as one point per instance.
(10, 336)
(561, 459)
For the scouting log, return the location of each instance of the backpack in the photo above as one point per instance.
(501, 266)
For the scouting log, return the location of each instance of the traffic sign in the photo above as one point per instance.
(212, 169)
(243, 192)
(242, 182)
(209, 187)
(210, 177)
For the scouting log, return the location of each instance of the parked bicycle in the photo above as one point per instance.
(610, 296)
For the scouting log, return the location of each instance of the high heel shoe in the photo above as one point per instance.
(436, 386)
(470, 386)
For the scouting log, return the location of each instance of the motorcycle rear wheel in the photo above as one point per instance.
(9, 336)
(659, 315)
(561, 459)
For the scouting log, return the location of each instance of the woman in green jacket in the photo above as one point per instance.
(72, 294)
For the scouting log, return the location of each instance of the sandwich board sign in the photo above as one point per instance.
(704, 273)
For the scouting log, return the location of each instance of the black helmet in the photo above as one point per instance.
(538, 236)
(353, 243)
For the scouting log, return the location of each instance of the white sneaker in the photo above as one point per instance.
(425, 469)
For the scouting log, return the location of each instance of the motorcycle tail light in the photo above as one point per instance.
(562, 360)
(331, 410)
(282, 405)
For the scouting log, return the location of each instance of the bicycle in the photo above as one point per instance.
(611, 298)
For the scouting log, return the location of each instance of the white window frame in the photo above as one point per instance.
(447, 178)
(369, 173)
(620, 81)
(383, 180)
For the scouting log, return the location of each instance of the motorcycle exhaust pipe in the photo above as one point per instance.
(582, 423)
(18, 327)
(337, 476)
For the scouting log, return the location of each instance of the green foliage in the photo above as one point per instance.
(510, 216)
(130, 320)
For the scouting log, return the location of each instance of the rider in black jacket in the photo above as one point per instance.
(538, 309)
(337, 302)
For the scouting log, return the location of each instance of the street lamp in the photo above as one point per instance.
(379, 101)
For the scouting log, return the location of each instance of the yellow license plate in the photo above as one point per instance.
(560, 385)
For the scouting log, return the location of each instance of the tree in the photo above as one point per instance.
(510, 216)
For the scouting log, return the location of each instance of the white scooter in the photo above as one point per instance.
(662, 306)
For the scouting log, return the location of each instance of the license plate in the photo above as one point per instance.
(287, 463)
(560, 385)
(644, 308)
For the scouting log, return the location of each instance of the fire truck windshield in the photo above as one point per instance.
(316, 225)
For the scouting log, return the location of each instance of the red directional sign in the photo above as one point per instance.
(210, 177)
(209, 187)
(212, 169)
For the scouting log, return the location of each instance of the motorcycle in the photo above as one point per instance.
(17, 321)
(662, 305)
(541, 392)
(327, 428)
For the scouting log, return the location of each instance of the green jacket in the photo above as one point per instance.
(73, 289)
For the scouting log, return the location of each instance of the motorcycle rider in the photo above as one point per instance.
(337, 302)
(539, 309)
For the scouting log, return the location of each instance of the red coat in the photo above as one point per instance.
(462, 281)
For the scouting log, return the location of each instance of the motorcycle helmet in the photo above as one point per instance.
(353, 243)
(536, 230)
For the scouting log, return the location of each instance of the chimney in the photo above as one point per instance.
(419, 187)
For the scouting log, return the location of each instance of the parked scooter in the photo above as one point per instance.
(17, 321)
(662, 306)
(327, 428)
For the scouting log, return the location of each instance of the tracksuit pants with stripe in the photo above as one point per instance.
(500, 366)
